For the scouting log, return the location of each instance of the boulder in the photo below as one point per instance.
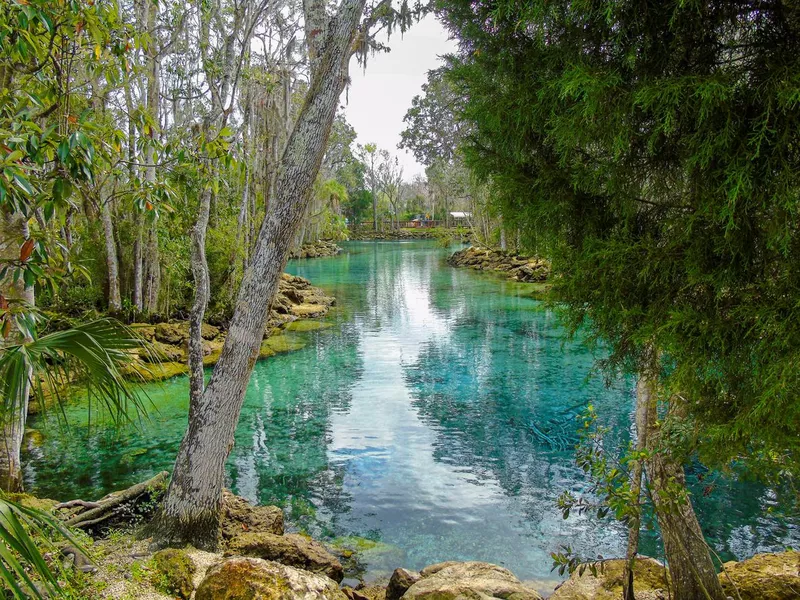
(306, 311)
(365, 592)
(161, 352)
(477, 580)
(649, 582)
(173, 572)
(763, 577)
(239, 516)
(401, 580)
(256, 579)
(172, 333)
(292, 549)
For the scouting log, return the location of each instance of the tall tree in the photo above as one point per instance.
(650, 151)
(190, 512)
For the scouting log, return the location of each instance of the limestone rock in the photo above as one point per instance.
(256, 579)
(649, 582)
(435, 568)
(365, 592)
(309, 310)
(172, 333)
(513, 266)
(763, 577)
(161, 352)
(239, 516)
(401, 580)
(475, 580)
(292, 549)
(174, 571)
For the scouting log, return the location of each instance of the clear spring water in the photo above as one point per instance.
(436, 416)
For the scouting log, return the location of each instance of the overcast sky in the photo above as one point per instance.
(379, 98)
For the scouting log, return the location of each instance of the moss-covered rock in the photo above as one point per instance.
(173, 572)
(649, 580)
(257, 579)
(144, 330)
(303, 326)
(306, 310)
(161, 352)
(277, 344)
(28, 501)
(239, 516)
(172, 333)
(155, 372)
(292, 549)
(763, 577)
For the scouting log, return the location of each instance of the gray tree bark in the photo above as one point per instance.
(643, 402)
(190, 513)
(112, 262)
(692, 571)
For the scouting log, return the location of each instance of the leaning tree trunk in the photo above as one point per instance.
(13, 230)
(190, 513)
(692, 571)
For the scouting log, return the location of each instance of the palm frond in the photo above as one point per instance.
(20, 556)
(93, 353)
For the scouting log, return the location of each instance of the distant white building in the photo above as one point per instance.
(459, 216)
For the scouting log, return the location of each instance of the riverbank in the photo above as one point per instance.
(416, 233)
(514, 266)
(318, 249)
(166, 357)
(258, 559)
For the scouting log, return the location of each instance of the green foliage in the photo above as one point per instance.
(652, 155)
(94, 353)
(20, 553)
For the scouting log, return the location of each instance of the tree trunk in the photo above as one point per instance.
(642, 408)
(202, 291)
(14, 230)
(138, 263)
(114, 299)
(153, 270)
(692, 571)
(503, 244)
(190, 512)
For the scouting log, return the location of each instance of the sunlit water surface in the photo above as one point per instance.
(436, 416)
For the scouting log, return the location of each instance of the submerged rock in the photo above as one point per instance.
(649, 582)
(174, 572)
(239, 516)
(257, 579)
(763, 577)
(477, 580)
(291, 549)
(401, 580)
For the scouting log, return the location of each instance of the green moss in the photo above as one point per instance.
(305, 325)
(172, 572)
(282, 343)
(28, 501)
(156, 372)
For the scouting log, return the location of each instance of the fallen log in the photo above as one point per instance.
(125, 507)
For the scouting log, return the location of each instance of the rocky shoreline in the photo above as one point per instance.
(514, 266)
(296, 300)
(318, 249)
(258, 560)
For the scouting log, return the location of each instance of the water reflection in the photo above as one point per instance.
(436, 417)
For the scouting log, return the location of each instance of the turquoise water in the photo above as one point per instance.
(436, 415)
